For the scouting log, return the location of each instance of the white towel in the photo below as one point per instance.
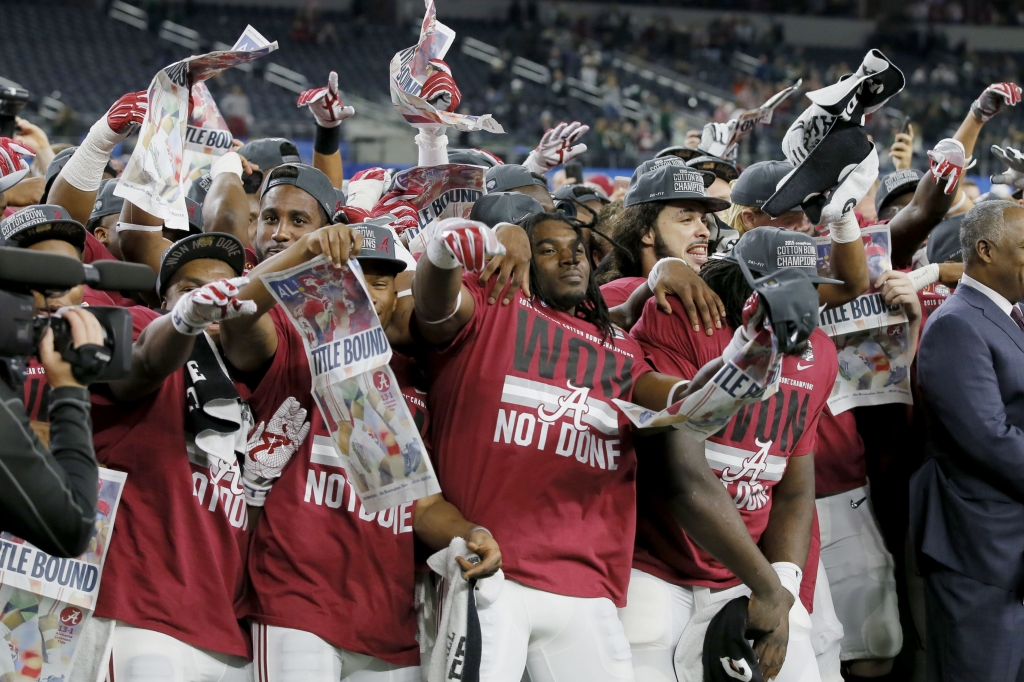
(456, 651)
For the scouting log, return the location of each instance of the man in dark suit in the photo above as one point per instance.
(967, 500)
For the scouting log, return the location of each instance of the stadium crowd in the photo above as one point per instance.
(531, 327)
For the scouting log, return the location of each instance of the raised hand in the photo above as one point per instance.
(217, 301)
(457, 242)
(325, 103)
(557, 147)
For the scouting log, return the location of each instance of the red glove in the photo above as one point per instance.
(459, 242)
(127, 113)
(397, 204)
(947, 160)
(366, 187)
(326, 104)
(12, 167)
(440, 89)
(991, 100)
(350, 215)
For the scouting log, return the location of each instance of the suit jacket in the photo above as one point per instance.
(967, 499)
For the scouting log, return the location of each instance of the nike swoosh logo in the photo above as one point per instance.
(803, 367)
(854, 505)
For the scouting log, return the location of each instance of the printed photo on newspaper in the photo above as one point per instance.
(869, 310)
(153, 180)
(874, 368)
(45, 601)
(409, 72)
(750, 376)
(371, 426)
(723, 139)
(438, 192)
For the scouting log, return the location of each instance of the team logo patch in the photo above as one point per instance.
(491, 184)
(808, 354)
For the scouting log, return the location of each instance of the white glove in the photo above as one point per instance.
(715, 138)
(557, 147)
(854, 187)
(325, 103)
(217, 301)
(367, 187)
(1014, 174)
(457, 242)
(270, 448)
(948, 160)
(805, 133)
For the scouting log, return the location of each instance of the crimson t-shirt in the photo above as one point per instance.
(95, 250)
(749, 455)
(528, 443)
(319, 562)
(619, 290)
(839, 464)
(176, 558)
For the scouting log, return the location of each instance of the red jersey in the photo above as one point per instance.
(749, 455)
(251, 260)
(528, 442)
(931, 297)
(839, 463)
(176, 558)
(350, 579)
(95, 250)
(619, 290)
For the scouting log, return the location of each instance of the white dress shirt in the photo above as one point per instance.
(996, 297)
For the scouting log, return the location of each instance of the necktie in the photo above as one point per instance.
(1017, 316)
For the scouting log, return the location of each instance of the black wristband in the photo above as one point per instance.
(327, 139)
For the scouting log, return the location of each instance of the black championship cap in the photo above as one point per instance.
(379, 246)
(670, 183)
(53, 170)
(41, 222)
(722, 169)
(684, 153)
(896, 184)
(195, 215)
(270, 152)
(766, 250)
(214, 245)
(757, 182)
(473, 157)
(510, 176)
(310, 180)
(944, 241)
(728, 655)
(106, 203)
(199, 187)
(504, 207)
(580, 193)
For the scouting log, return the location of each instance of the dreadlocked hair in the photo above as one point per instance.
(593, 308)
(726, 279)
(630, 226)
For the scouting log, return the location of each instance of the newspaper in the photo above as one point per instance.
(409, 71)
(723, 139)
(750, 376)
(438, 192)
(359, 398)
(153, 180)
(207, 136)
(871, 337)
(45, 601)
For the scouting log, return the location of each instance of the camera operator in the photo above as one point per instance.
(50, 496)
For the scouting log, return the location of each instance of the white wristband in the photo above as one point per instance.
(922, 277)
(672, 391)
(230, 162)
(846, 229)
(458, 304)
(433, 147)
(131, 227)
(790, 576)
(652, 277)
(740, 338)
(531, 164)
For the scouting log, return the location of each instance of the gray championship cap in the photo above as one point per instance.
(53, 170)
(767, 250)
(672, 183)
(106, 203)
(580, 193)
(213, 245)
(896, 184)
(944, 241)
(504, 207)
(510, 176)
(310, 180)
(41, 222)
(758, 181)
(473, 157)
(270, 152)
(379, 246)
(684, 153)
(195, 215)
(724, 170)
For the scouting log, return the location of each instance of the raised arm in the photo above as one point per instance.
(911, 226)
(226, 206)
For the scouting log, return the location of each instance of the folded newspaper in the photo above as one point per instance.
(749, 376)
(722, 139)
(370, 424)
(154, 178)
(207, 136)
(409, 71)
(45, 601)
(438, 192)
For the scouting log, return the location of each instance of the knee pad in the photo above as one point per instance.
(882, 633)
(149, 668)
(303, 657)
(647, 617)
